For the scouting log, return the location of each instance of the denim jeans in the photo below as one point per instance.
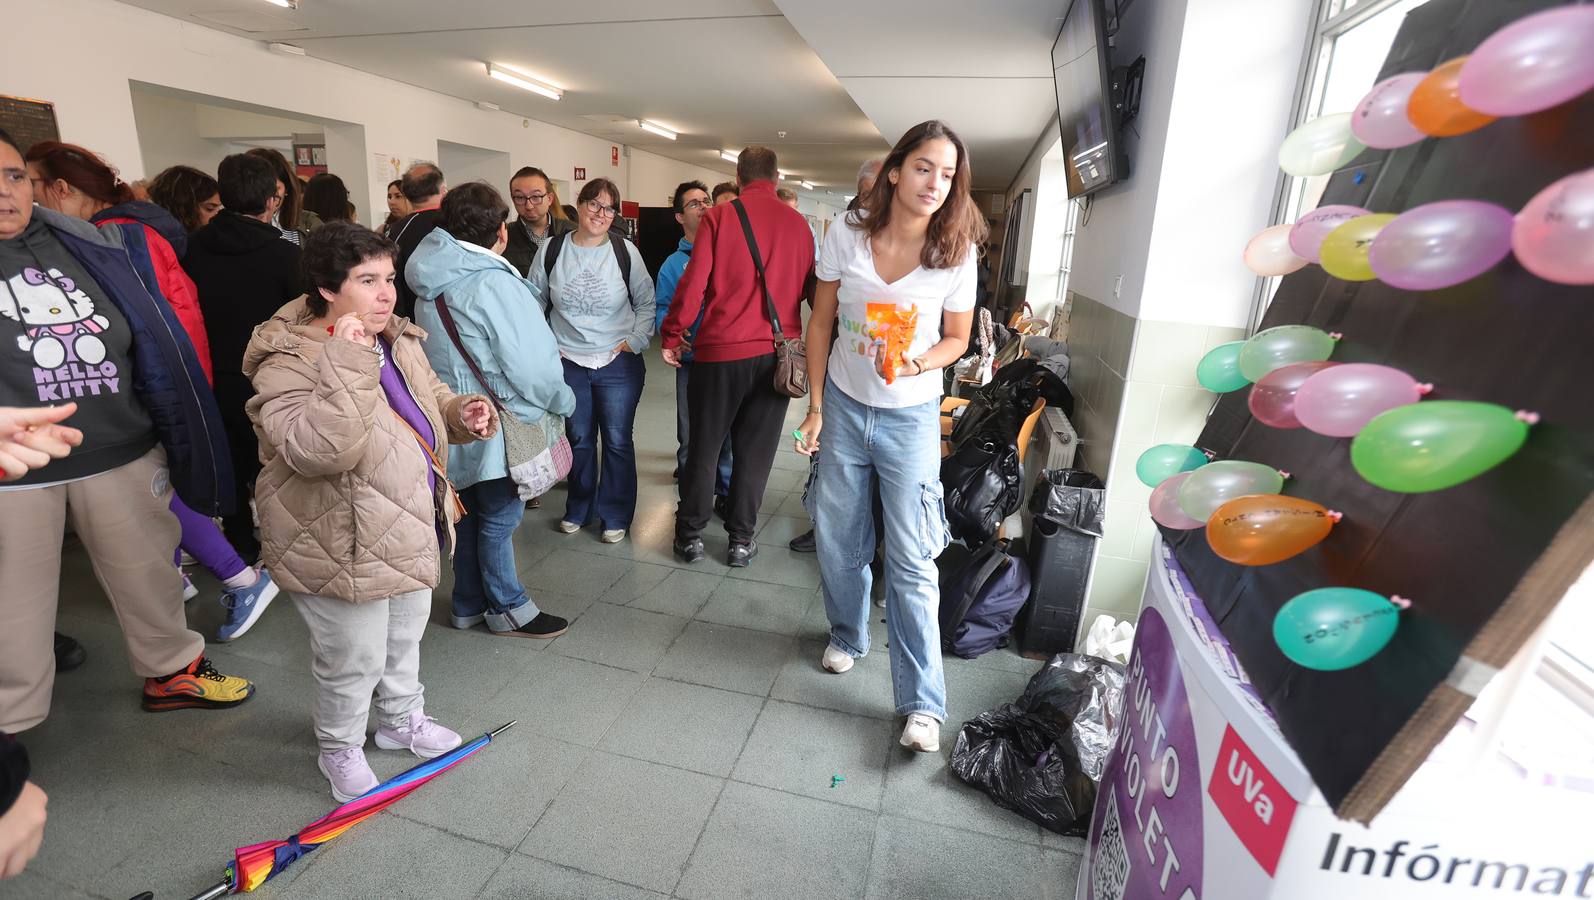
(722, 474)
(606, 401)
(485, 580)
(898, 450)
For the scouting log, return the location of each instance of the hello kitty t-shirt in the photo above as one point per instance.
(872, 314)
(63, 340)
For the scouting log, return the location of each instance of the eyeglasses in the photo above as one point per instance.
(698, 204)
(598, 209)
(522, 199)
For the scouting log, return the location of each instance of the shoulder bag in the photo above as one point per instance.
(791, 354)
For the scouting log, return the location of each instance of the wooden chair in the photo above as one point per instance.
(1025, 430)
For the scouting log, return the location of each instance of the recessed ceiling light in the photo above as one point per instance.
(488, 105)
(657, 129)
(524, 82)
(285, 49)
(285, 4)
(728, 156)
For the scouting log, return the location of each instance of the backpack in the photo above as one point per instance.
(982, 599)
(621, 256)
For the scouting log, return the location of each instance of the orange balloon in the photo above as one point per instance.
(1435, 105)
(1261, 529)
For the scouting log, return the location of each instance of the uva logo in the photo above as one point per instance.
(1245, 778)
(1258, 809)
(56, 317)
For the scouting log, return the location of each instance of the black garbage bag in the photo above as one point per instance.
(1070, 498)
(1042, 756)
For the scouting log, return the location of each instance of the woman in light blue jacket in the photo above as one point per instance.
(502, 327)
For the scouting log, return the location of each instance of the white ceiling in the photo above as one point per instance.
(724, 73)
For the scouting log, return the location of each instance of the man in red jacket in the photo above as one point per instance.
(732, 388)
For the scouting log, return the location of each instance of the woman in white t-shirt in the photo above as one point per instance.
(897, 279)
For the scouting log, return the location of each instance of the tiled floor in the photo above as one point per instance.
(680, 740)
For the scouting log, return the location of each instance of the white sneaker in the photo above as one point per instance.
(613, 535)
(835, 661)
(880, 603)
(190, 591)
(568, 527)
(187, 560)
(348, 773)
(922, 733)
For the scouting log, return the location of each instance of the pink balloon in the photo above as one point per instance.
(1536, 62)
(1272, 399)
(1440, 244)
(1306, 235)
(1554, 234)
(1165, 509)
(1338, 402)
(1380, 118)
(1269, 252)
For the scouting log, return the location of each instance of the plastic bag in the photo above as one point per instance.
(1071, 498)
(1042, 756)
(1110, 639)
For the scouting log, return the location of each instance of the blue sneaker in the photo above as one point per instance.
(245, 605)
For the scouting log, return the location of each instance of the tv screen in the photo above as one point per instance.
(1084, 102)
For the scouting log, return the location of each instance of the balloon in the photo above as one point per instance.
(1280, 346)
(1219, 370)
(1319, 146)
(1554, 234)
(1262, 529)
(1164, 505)
(1334, 628)
(1166, 460)
(1339, 403)
(1269, 252)
(1440, 244)
(1272, 399)
(1344, 252)
(1306, 235)
(1214, 484)
(1436, 108)
(1534, 63)
(1380, 118)
(1431, 446)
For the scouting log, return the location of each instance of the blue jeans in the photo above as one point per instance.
(485, 580)
(722, 474)
(606, 401)
(898, 450)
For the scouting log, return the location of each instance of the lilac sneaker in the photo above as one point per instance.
(421, 735)
(350, 774)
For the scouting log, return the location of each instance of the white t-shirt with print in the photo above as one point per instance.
(864, 303)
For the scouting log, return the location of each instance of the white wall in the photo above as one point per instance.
(167, 134)
(462, 163)
(653, 178)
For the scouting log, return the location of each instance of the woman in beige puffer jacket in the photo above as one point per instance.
(354, 506)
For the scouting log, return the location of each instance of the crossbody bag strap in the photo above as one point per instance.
(758, 263)
(453, 335)
(438, 466)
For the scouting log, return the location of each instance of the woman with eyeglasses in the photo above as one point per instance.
(599, 299)
(537, 217)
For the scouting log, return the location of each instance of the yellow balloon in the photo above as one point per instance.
(1344, 252)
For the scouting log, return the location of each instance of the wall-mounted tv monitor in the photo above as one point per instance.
(1080, 69)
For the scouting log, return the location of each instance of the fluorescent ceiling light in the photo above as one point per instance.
(524, 82)
(285, 49)
(807, 184)
(659, 130)
(285, 4)
(488, 105)
(728, 156)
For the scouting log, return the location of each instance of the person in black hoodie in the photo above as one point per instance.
(424, 187)
(245, 272)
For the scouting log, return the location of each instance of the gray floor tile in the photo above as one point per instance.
(639, 580)
(792, 506)
(1059, 874)
(778, 565)
(801, 749)
(863, 690)
(387, 856)
(684, 725)
(573, 573)
(921, 786)
(971, 690)
(1051, 840)
(682, 593)
(916, 860)
(464, 669)
(766, 844)
(735, 659)
(31, 884)
(785, 481)
(565, 698)
(625, 819)
(772, 501)
(620, 636)
(521, 877)
(777, 531)
(761, 607)
(554, 603)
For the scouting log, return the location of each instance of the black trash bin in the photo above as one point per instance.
(1068, 506)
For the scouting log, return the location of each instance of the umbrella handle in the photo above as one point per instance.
(219, 889)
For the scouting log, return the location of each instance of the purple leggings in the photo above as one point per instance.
(205, 543)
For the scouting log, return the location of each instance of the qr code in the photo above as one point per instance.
(1110, 861)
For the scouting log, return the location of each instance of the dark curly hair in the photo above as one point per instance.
(473, 213)
(181, 190)
(331, 251)
(681, 191)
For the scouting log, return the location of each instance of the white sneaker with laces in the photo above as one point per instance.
(922, 733)
(348, 772)
(613, 535)
(420, 734)
(568, 527)
(835, 661)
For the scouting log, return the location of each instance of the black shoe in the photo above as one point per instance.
(741, 554)
(69, 654)
(543, 627)
(722, 507)
(690, 551)
(803, 543)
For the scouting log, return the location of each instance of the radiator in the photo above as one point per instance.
(1051, 446)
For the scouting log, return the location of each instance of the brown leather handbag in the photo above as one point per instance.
(791, 354)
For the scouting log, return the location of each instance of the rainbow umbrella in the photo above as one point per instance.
(256, 864)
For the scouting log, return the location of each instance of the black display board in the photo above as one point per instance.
(28, 121)
(1506, 337)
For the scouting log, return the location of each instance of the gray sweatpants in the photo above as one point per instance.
(361, 648)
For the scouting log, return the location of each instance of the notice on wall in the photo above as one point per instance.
(28, 121)
(614, 155)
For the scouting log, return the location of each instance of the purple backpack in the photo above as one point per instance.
(982, 600)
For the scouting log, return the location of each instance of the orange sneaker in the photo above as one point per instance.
(198, 686)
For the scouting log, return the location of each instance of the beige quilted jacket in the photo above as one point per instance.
(343, 501)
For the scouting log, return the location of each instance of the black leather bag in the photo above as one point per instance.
(982, 480)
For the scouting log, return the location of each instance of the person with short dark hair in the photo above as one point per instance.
(355, 510)
(538, 217)
(244, 272)
(500, 325)
(327, 197)
(788, 197)
(423, 187)
(191, 196)
(293, 220)
(725, 192)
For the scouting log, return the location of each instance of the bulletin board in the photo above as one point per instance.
(1484, 562)
(28, 121)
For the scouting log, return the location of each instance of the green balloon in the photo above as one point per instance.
(1281, 346)
(1219, 370)
(1216, 484)
(1435, 444)
(1166, 460)
(1334, 628)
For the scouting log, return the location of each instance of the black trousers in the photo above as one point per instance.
(233, 391)
(737, 398)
